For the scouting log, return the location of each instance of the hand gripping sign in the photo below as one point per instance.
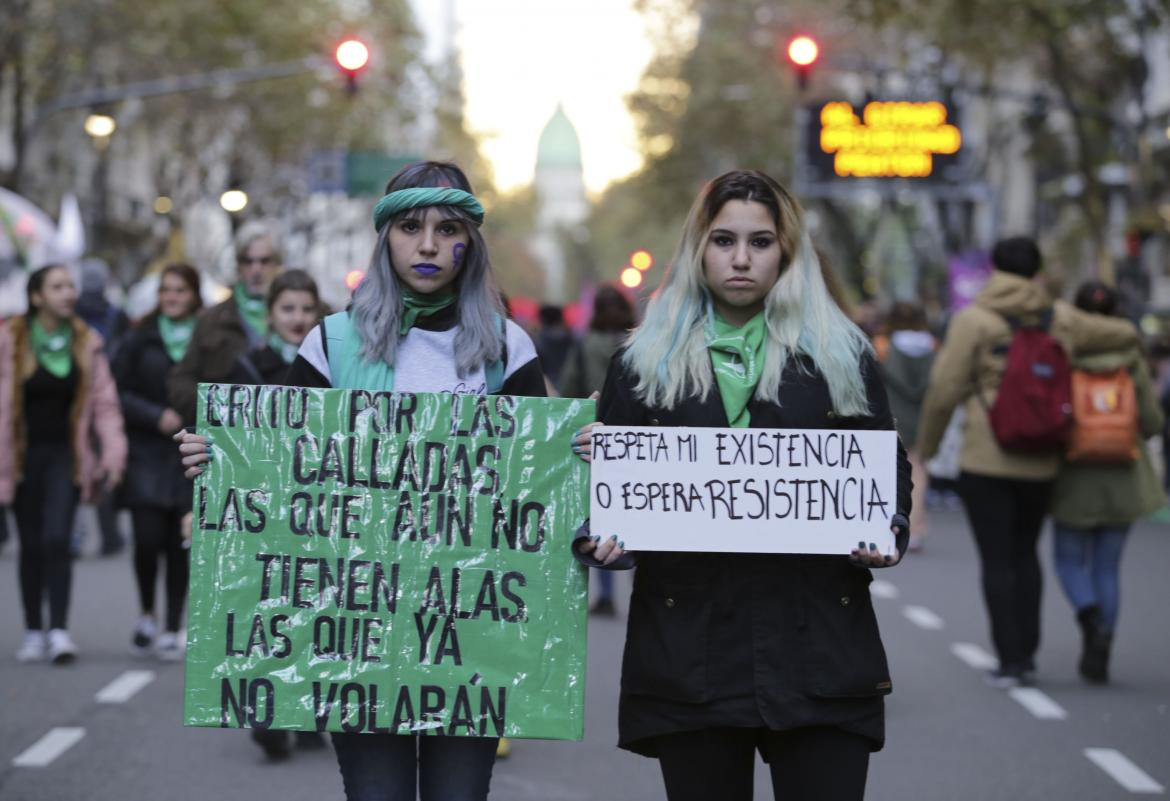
(388, 562)
(804, 491)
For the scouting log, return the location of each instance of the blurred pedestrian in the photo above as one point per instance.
(293, 310)
(293, 304)
(61, 441)
(156, 491)
(231, 329)
(906, 373)
(426, 318)
(94, 307)
(1097, 496)
(554, 341)
(584, 373)
(1007, 492)
(730, 653)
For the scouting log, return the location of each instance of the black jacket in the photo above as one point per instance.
(221, 337)
(752, 640)
(154, 473)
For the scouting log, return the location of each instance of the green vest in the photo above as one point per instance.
(348, 369)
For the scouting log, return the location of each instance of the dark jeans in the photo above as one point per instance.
(1006, 517)
(1088, 563)
(157, 533)
(391, 767)
(812, 764)
(46, 500)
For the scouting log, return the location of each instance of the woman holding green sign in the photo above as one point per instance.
(427, 317)
(730, 653)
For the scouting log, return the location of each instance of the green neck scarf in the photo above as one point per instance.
(176, 335)
(286, 350)
(415, 306)
(737, 356)
(253, 310)
(54, 351)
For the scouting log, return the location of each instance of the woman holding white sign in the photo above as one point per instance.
(427, 317)
(730, 653)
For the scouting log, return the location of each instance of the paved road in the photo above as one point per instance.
(949, 735)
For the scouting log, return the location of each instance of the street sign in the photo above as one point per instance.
(882, 142)
(366, 173)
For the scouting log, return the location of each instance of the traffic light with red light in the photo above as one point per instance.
(803, 52)
(351, 57)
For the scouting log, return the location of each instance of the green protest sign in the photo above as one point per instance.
(388, 562)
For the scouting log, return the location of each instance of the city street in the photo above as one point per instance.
(118, 735)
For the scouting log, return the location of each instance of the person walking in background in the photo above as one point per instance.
(584, 374)
(906, 374)
(554, 341)
(1105, 482)
(294, 307)
(234, 327)
(61, 441)
(96, 310)
(730, 653)
(156, 491)
(293, 304)
(1006, 492)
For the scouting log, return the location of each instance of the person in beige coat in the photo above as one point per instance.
(1006, 494)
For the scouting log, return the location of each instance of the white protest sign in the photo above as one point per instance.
(754, 490)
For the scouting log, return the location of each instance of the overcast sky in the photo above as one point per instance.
(522, 57)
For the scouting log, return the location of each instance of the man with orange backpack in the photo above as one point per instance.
(1006, 357)
(1106, 481)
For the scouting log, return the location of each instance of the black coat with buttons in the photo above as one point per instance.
(752, 640)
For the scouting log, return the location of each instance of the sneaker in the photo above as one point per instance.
(1005, 678)
(274, 742)
(143, 637)
(603, 608)
(170, 648)
(62, 651)
(32, 648)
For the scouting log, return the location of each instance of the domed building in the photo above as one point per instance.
(561, 204)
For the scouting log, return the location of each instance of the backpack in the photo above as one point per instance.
(1033, 409)
(1105, 417)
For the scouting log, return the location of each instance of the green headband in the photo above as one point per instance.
(416, 197)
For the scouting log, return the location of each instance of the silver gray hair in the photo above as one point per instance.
(377, 302)
(258, 229)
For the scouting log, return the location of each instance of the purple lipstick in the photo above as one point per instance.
(426, 268)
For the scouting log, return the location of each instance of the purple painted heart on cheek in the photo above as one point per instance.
(458, 251)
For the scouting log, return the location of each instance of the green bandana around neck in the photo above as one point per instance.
(415, 306)
(54, 351)
(737, 356)
(286, 350)
(253, 310)
(176, 335)
(419, 196)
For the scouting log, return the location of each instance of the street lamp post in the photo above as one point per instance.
(100, 127)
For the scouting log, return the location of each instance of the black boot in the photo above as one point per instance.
(1095, 646)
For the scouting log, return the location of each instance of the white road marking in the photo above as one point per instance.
(923, 618)
(1037, 703)
(883, 589)
(123, 688)
(55, 743)
(974, 656)
(1122, 771)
